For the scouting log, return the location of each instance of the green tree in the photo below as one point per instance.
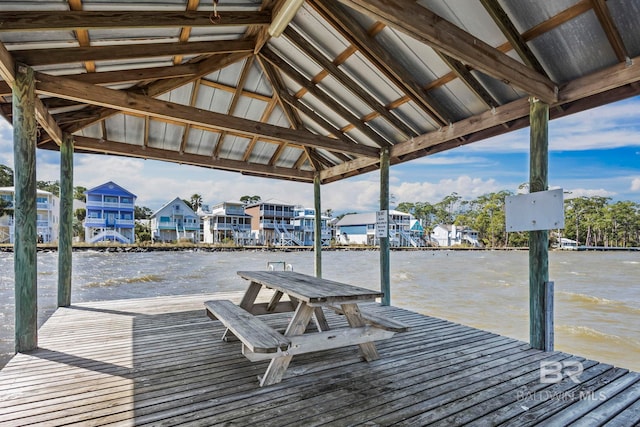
(249, 200)
(5, 207)
(446, 209)
(142, 212)
(6, 176)
(142, 232)
(79, 216)
(50, 186)
(195, 202)
(78, 193)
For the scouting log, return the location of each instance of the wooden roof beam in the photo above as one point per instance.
(138, 104)
(8, 74)
(287, 69)
(420, 23)
(209, 65)
(185, 32)
(279, 91)
(138, 151)
(82, 35)
(380, 58)
(509, 30)
(469, 79)
(613, 35)
(91, 20)
(346, 81)
(242, 81)
(40, 57)
(584, 90)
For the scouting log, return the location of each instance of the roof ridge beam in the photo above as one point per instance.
(129, 150)
(40, 57)
(270, 56)
(52, 20)
(139, 104)
(422, 24)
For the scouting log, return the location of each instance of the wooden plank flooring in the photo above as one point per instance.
(160, 362)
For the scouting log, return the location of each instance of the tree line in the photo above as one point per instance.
(590, 221)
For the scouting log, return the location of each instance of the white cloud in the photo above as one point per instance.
(635, 184)
(465, 186)
(586, 192)
(444, 159)
(609, 126)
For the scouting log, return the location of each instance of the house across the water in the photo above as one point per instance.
(110, 214)
(175, 221)
(455, 235)
(304, 221)
(271, 223)
(48, 216)
(226, 222)
(360, 229)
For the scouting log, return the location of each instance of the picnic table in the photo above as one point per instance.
(307, 296)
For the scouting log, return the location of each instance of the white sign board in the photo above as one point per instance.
(382, 224)
(542, 210)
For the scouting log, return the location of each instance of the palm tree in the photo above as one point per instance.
(196, 201)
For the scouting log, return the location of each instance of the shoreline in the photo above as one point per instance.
(134, 248)
(213, 248)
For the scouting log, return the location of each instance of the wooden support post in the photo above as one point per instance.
(385, 275)
(317, 226)
(538, 240)
(25, 215)
(65, 238)
(548, 316)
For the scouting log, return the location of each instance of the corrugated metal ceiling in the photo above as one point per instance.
(346, 79)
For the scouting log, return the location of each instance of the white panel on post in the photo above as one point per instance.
(542, 210)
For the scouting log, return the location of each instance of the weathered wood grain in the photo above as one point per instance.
(158, 361)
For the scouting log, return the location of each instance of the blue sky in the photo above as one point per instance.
(596, 152)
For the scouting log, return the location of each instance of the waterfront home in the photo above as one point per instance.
(175, 221)
(454, 235)
(304, 221)
(48, 216)
(271, 223)
(109, 214)
(567, 244)
(360, 229)
(226, 222)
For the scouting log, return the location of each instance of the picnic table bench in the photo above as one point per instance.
(307, 296)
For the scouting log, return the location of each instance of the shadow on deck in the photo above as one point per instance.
(160, 361)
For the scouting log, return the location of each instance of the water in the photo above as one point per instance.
(597, 293)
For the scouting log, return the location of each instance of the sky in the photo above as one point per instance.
(593, 153)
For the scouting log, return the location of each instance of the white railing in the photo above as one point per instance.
(99, 204)
(104, 235)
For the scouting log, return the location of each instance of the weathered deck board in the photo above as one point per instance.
(160, 361)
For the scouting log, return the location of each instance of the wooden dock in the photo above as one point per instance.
(160, 361)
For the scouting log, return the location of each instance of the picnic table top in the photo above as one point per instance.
(310, 289)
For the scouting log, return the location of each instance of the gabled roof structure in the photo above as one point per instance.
(178, 81)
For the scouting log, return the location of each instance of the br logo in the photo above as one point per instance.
(552, 372)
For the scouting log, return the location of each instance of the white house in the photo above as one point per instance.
(47, 211)
(361, 229)
(304, 220)
(226, 221)
(174, 221)
(452, 235)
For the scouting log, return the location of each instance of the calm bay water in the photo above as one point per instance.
(597, 293)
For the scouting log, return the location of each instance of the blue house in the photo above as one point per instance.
(109, 214)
